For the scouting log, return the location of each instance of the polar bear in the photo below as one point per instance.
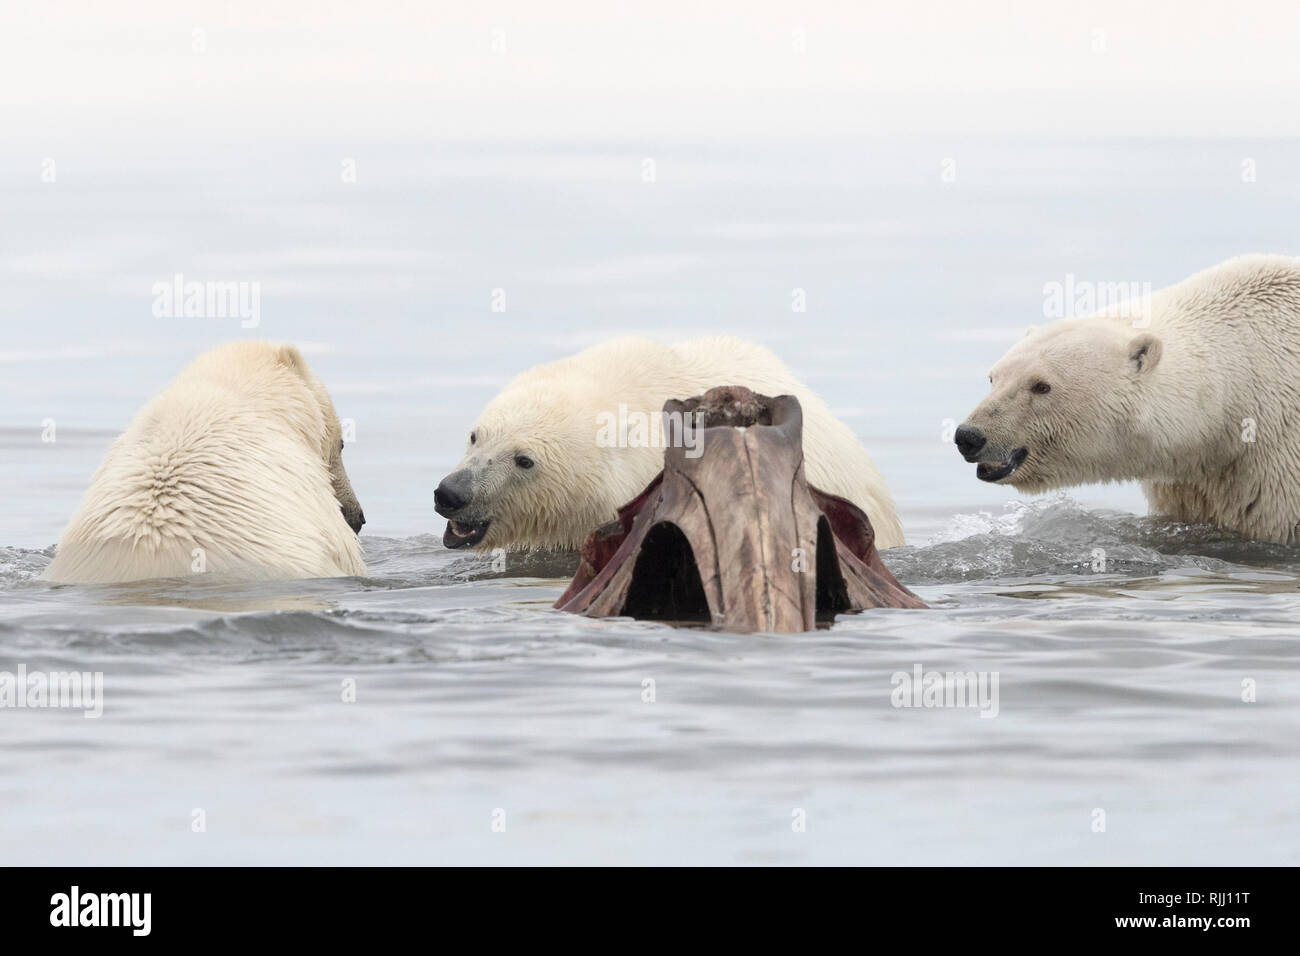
(556, 453)
(1194, 390)
(235, 469)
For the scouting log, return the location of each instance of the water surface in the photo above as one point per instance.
(1123, 645)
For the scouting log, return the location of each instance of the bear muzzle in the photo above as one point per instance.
(354, 516)
(452, 499)
(993, 464)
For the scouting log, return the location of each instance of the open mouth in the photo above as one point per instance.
(997, 470)
(464, 534)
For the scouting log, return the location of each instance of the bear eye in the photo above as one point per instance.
(523, 461)
(1040, 388)
(473, 437)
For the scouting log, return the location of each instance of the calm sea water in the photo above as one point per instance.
(1158, 695)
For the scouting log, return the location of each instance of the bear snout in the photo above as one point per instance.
(969, 441)
(354, 516)
(453, 493)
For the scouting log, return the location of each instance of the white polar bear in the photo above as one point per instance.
(236, 469)
(541, 470)
(1193, 390)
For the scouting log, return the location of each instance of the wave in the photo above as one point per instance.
(1046, 539)
(19, 566)
(1058, 538)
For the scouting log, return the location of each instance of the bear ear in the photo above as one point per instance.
(1144, 352)
(289, 357)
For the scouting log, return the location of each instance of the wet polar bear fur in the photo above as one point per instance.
(548, 417)
(235, 469)
(1202, 405)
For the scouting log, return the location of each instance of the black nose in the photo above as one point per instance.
(969, 441)
(453, 493)
(355, 519)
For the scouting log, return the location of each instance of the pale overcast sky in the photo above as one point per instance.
(599, 69)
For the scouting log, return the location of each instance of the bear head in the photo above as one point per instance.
(1068, 406)
(534, 474)
(322, 431)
